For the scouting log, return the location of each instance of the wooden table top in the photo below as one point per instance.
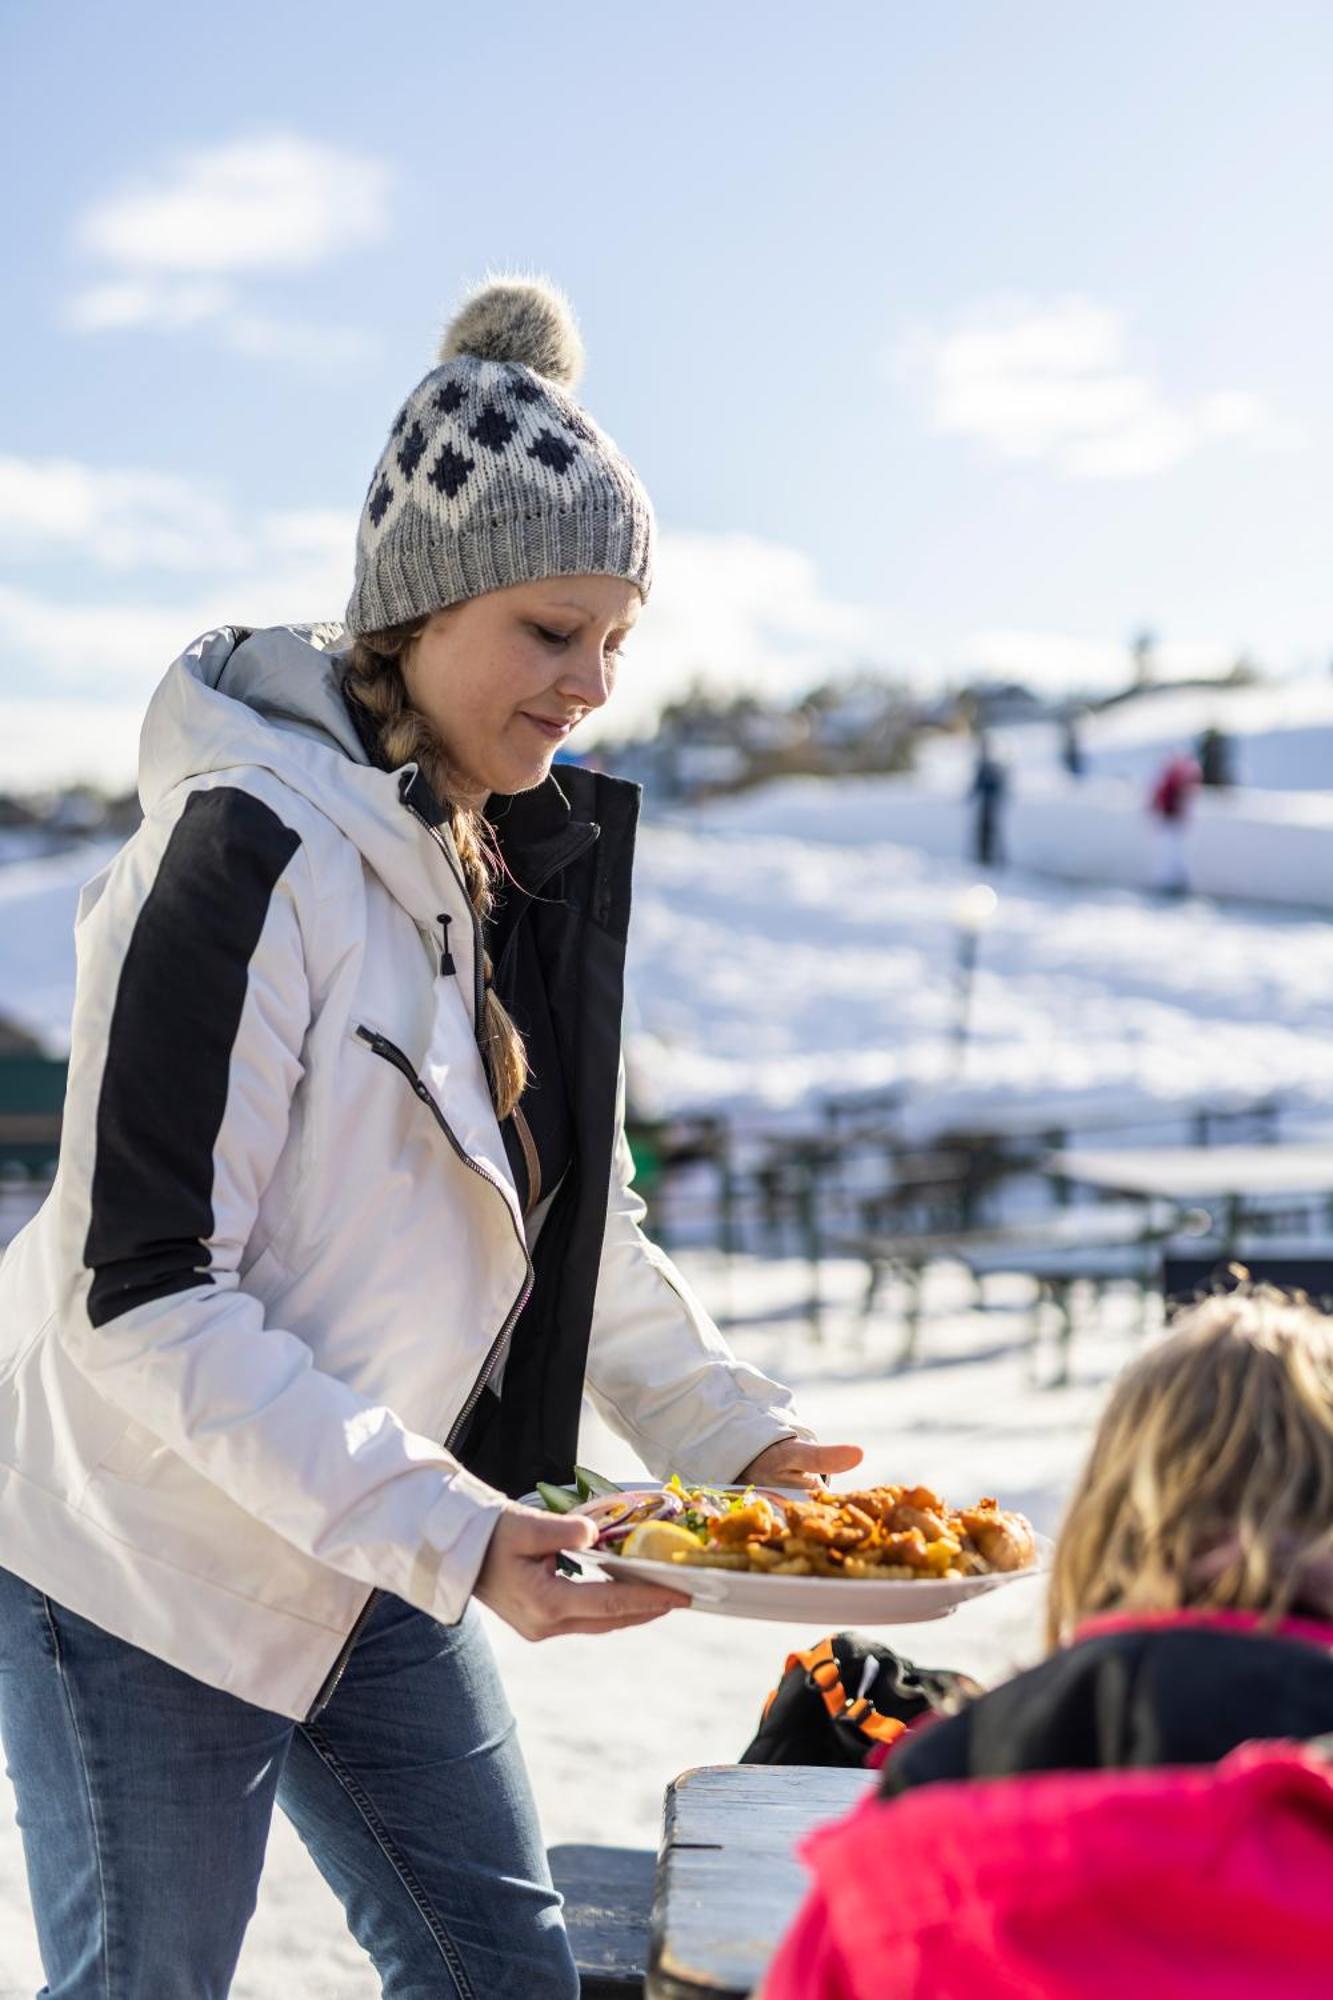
(1192, 1173)
(728, 1881)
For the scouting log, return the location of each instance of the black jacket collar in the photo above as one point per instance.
(1130, 1698)
(536, 832)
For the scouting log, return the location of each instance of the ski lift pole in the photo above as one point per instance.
(972, 912)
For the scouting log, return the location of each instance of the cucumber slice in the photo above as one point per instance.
(592, 1486)
(559, 1499)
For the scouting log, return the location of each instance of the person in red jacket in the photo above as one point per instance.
(1169, 803)
(1150, 1809)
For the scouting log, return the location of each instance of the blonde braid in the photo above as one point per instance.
(374, 677)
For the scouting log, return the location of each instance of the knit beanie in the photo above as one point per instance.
(493, 474)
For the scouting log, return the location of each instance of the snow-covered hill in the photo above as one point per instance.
(781, 951)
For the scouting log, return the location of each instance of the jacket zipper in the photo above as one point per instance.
(384, 1047)
(391, 1053)
(531, 1158)
(478, 942)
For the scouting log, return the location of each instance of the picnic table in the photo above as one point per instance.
(1233, 1179)
(728, 1881)
(1099, 1244)
(1055, 1118)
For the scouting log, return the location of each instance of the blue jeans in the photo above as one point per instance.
(145, 1797)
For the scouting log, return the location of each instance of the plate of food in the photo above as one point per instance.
(881, 1555)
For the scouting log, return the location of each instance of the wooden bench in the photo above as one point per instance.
(608, 1894)
(1101, 1244)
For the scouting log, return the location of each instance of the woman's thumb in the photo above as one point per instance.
(831, 1457)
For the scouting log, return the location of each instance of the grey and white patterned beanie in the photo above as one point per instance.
(493, 474)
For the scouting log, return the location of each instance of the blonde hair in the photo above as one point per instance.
(375, 678)
(1210, 1481)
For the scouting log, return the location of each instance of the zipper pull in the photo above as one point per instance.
(447, 966)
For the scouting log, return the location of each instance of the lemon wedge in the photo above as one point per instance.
(659, 1541)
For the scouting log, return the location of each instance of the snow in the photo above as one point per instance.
(772, 963)
(1269, 839)
(1281, 734)
(38, 899)
(1265, 847)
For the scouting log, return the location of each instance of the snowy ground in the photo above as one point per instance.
(778, 956)
(1261, 847)
(1268, 840)
(779, 953)
(968, 1419)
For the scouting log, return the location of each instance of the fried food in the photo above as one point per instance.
(1004, 1540)
(757, 1522)
(882, 1533)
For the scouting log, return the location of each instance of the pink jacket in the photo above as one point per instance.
(1209, 1881)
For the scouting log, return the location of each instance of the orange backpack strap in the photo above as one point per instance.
(821, 1664)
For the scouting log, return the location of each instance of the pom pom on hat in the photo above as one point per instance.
(518, 319)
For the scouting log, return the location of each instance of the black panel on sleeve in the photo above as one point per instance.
(177, 1011)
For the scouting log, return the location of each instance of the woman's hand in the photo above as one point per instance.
(793, 1462)
(518, 1580)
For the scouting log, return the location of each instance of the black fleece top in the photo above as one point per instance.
(568, 849)
(533, 843)
(1127, 1699)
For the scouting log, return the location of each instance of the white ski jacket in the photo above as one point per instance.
(284, 1250)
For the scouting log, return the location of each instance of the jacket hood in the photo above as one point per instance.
(272, 699)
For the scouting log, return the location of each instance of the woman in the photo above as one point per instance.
(1149, 1818)
(330, 1249)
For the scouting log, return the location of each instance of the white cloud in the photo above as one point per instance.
(738, 613)
(732, 610)
(49, 647)
(1055, 384)
(119, 520)
(275, 203)
(296, 566)
(168, 304)
(1065, 662)
(124, 520)
(48, 743)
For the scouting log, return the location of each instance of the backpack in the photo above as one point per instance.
(847, 1698)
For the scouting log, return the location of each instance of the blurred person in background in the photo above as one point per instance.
(1071, 744)
(1216, 759)
(1169, 804)
(990, 790)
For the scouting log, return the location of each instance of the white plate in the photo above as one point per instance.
(739, 1593)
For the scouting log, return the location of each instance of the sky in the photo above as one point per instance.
(948, 341)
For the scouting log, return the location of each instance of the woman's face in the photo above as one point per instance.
(505, 677)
